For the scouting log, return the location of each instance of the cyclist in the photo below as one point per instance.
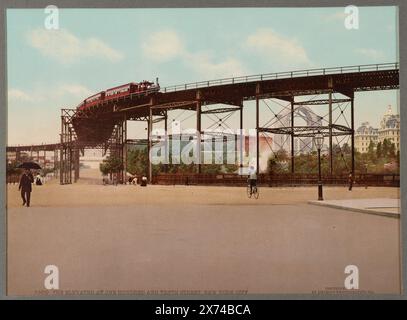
(252, 178)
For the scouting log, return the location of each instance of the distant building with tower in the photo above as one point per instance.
(389, 129)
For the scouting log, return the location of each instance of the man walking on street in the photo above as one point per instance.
(25, 186)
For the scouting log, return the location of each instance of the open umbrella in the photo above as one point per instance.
(29, 165)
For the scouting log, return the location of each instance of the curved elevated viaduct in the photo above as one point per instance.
(104, 125)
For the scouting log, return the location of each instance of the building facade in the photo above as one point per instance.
(364, 135)
(390, 128)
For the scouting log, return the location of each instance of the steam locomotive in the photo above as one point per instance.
(145, 87)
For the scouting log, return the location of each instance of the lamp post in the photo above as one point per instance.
(319, 142)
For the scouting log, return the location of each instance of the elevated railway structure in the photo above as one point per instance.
(104, 124)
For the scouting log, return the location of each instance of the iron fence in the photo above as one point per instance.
(390, 180)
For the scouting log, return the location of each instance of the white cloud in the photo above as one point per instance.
(73, 90)
(162, 46)
(57, 93)
(203, 64)
(277, 48)
(370, 53)
(18, 95)
(67, 48)
(41, 106)
(337, 16)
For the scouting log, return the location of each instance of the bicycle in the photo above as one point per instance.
(252, 191)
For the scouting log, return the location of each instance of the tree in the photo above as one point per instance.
(111, 165)
(379, 150)
(271, 165)
(346, 148)
(137, 162)
(385, 148)
(104, 168)
(281, 155)
(371, 152)
(392, 150)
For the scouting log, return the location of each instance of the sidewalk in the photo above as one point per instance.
(378, 206)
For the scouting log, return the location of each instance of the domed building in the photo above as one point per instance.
(364, 135)
(390, 128)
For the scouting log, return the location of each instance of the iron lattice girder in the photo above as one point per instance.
(88, 145)
(322, 102)
(220, 110)
(159, 119)
(309, 131)
(141, 118)
(191, 104)
(69, 114)
(34, 148)
(205, 136)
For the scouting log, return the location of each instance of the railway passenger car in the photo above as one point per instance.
(119, 91)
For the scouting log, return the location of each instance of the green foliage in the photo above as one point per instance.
(111, 165)
(219, 168)
(104, 168)
(372, 161)
(272, 165)
(277, 163)
(392, 151)
(371, 154)
(385, 147)
(137, 162)
(379, 150)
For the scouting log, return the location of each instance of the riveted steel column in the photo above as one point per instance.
(124, 148)
(76, 164)
(70, 155)
(241, 136)
(331, 160)
(292, 136)
(166, 141)
(61, 158)
(55, 163)
(257, 130)
(352, 115)
(198, 131)
(150, 128)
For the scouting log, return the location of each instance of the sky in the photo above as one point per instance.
(96, 49)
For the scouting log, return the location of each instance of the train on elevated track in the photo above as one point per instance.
(144, 87)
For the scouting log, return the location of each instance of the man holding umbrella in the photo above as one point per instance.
(26, 180)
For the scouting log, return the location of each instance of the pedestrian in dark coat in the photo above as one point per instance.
(25, 186)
